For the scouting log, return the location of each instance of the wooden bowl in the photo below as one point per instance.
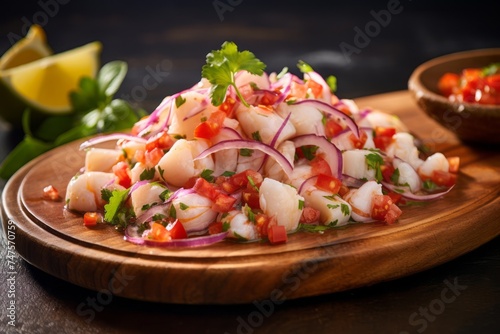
(472, 123)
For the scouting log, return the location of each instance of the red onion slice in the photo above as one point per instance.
(113, 136)
(253, 145)
(333, 156)
(329, 109)
(132, 236)
(307, 184)
(408, 194)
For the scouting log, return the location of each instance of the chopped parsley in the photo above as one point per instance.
(256, 136)
(183, 206)
(228, 173)
(246, 152)
(207, 175)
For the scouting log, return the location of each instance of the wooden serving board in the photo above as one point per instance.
(55, 240)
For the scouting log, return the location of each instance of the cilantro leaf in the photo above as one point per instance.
(221, 67)
(148, 174)
(114, 208)
(374, 161)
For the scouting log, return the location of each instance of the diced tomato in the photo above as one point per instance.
(205, 188)
(269, 98)
(393, 214)
(448, 82)
(91, 219)
(140, 156)
(358, 142)
(177, 230)
(328, 183)
(241, 180)
(277, 234)
(332, 128)
(309, 215)
(384, 209)
(380, 206)
(121, 170)
(263, 222)
(154, 156)
(382, 142)
(395, 197)
(215, 227)
(454, 163)
(387, 172)
(223, 202)
(315, 88)
(159, 232)
(320, 166)
(384, 131)
(161, 140)
(228, 106)
(444, 179)
(251, 197)
(470, 74)
(211, 127)
(51, 193)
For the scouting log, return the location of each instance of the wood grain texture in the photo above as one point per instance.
(55, 240)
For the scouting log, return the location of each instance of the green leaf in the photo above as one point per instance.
(79, 131)
(331, 81)
(207, 175)
(221, 67)
(86, 97)
(179, 101)
(246, 152)
(304, 67)
(110, 77)
(490, 69)
(52, 127)
(28, 149)
(147, 174)
(116, 201)
(374, 161)
(121, 115)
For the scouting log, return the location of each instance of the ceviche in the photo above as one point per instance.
(248, 155)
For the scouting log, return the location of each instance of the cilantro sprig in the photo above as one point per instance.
(221, 67)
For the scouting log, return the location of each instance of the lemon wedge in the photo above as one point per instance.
(32, 47)
(44, 84)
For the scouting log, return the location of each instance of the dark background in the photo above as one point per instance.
(147, 33)
(177, 35)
